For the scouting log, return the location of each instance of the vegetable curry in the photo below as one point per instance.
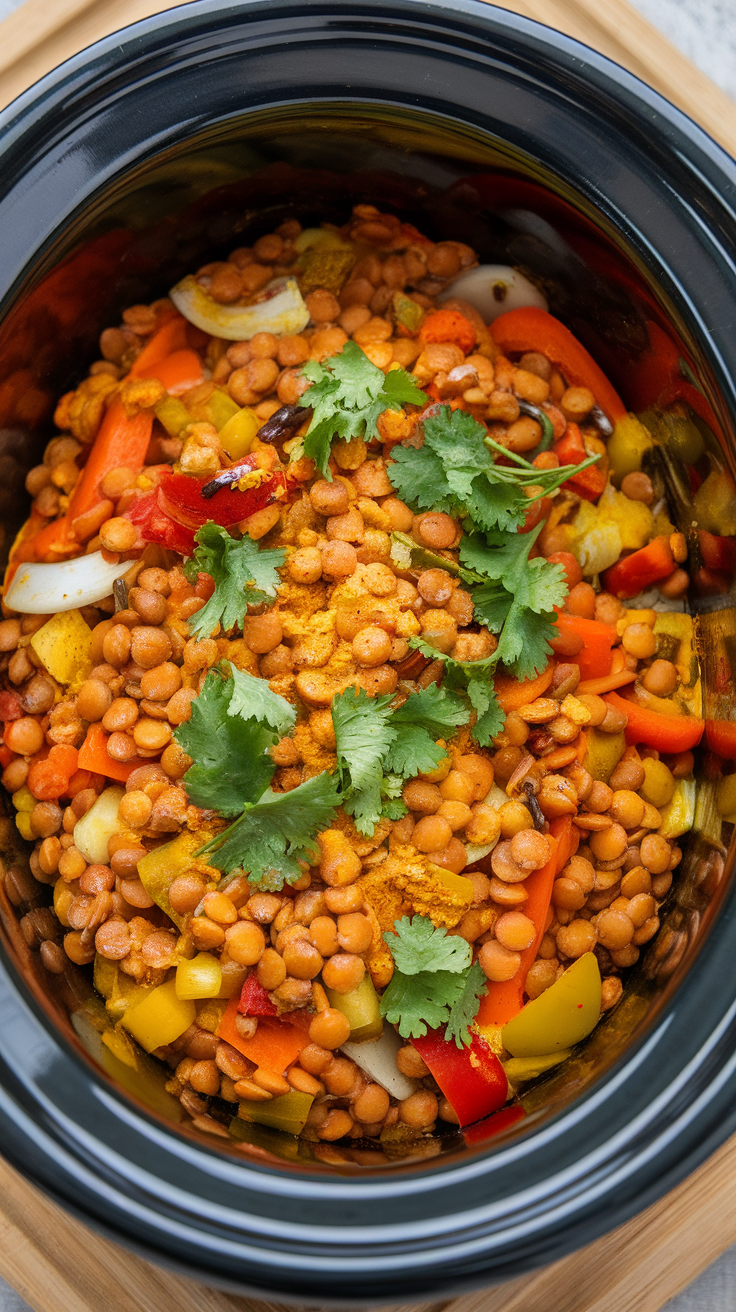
(348, 690)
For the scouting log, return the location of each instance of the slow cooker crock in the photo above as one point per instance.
(120, 171)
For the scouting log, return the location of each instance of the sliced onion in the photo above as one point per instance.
(377, 1057)
(282, 312)
(493, 289)
(65, 585)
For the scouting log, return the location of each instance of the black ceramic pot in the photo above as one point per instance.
(175, 140)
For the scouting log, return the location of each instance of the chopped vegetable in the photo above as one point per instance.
(562, 1015)
(199, 977)
(347, 395)
(158, 869)
(638, 571)
(603, 753)
(191, 501)
(63, 645)
(236, 436)
(627, 447)
(170, 337)
(62, 586)
(594, 657)
(448, 326)
(495, 289)
(361, 1008)
(678, 815)
(276, 1043)
(94, 756)
(254, 1000)
(513, 693)
(668, 733)
(92, 831)
(472, 1079)
(282, 311)
(532, 329)
(377, 1057)
(520, 1069)
(288, 1113)
(159, 1018)
(244, 575)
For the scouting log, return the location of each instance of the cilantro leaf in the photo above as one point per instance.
(363, 738)
(417, 945)
(270, 839)
(437, 710)
(243, 574)
(419, 478)
(465, 1008)
(231, 761)
(347, 395)
(415, 1002)
(414, 752)
(252, 698)
(475, 679)
(393, 805)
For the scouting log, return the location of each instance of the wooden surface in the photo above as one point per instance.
(54, 1261)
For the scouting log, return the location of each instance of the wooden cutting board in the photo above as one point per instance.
(57, 1263)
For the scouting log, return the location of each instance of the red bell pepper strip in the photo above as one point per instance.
(154, 525)
(570, 449)
(494, 1125)
(180, 496)
(630, 576)
(532, 329)
(505, 1000)
(178, 372)
(254, 1000)
(594, 659)
(93, 756)
(472, 1079)
(668, 733)
(122, 441)
(170, 337)
(276, 1043)
(721, 738)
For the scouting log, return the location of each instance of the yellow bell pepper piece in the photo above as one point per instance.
(125, 993)
(361, 1008)
(199, 978)
(62, 645)
(288, 1113)
(519, 1069)
(121, 1047)
(92, 832)
(173, 414)
(561, 1016)
(726, 797)
(104, 975)
(626, 447)
(603, 753)
(678, 816)
(236, 436)
(158, 870)
(160, 1018)
(222, 408)
(659, 783)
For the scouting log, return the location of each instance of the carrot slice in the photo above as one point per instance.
(607, 684)
(513, 693)
(276, 1043)
(171, 336)
(93, 756)
(178, 371)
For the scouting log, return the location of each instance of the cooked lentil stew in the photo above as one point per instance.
(349, 694)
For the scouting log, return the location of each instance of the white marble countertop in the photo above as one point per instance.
(705, 30)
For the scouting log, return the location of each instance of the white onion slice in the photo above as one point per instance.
(377, 1057)
(284, 312)
(494, 289)
(39, 589)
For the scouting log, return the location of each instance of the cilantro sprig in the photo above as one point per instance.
(434, 982)
(379, 746)
(235, 720)
(346, 396)
(244, 575)
(455, 471)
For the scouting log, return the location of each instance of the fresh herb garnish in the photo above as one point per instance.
(274, 834)
(347, 395)
(455, 471)
(434, 982)
(378, 746)
(232, 769)
(244, 575)
(475, 679)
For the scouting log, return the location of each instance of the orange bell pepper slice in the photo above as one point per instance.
(122, 441)
(276, 1043)
(513, 693)
(630, 576)
(170, 337)
(594, 658)
(532, 329)
(93, 756)
(668, 733)
(178, 371)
